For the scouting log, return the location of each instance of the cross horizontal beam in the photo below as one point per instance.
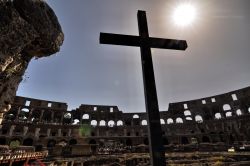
(138, 41)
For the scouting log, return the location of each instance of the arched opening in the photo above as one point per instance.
(217, 116)
(72, 142)
(119, 123)
(28, 142)
(184, 140)
(228, 114)
(170, 120)
(92, 141)
(2, 141)
(51, 143)
(189, 118)
(187, 113)
(135, 116)
(226, 107)
(249, 109)
(67, 116)
(165, 141)
(162, 121)
(238, 112)
(25, 110)
(144, 122)
(85, 116)
(145, 141)
(179, 120)
(102, 123)
(93, 123)
(111, 123)
(128, 142)
(198, 119)
(205, 139)
(76, 122)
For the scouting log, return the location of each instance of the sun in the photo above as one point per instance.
(184, 14)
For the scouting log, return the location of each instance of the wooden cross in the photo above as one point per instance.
(157, 152)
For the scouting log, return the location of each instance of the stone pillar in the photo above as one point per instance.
(69, 132)
(37, 132)
(18, 112)
(97, 132)
(1, 119)
(125, 132)
(12, 128)
(59, 132)
(30, 115)
(61, 121)
(41, 116)
(52, 117)
(48, 132)
(25, 130)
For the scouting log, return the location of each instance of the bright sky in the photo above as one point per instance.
(85, 72)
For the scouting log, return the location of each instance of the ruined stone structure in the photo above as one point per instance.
(28, 28)
(221, 120)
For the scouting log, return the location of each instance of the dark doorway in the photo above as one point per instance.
(2, 141)
(28, 142)
(145, 141)
(128, 142)
(51, 143)
(184, 140)
(165, 141)
(205, 139)
(72, 142)
(92, 141)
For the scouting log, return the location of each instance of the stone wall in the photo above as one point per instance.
(28, 28)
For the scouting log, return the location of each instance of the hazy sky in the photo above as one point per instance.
(85, 72)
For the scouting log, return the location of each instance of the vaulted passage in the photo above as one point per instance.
(205, 139)
(184, 140)
(28, 142)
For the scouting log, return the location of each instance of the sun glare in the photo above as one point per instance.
(184, 14)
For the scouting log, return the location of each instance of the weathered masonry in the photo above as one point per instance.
(221, 120)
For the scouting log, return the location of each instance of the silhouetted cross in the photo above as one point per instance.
(146, 43)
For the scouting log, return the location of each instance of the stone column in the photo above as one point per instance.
(30, 115)
(52, 117)
(48, 132)
(1, 119)
(41, 116)
(18, 112)
(69, 132)
(25, 130)
(12, 128)
(37, 132)
(59, 132)
(97, 132)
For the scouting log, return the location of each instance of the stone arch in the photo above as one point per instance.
(102, 123)
(119, 123)
(187, 113)
(67, 116)
(184, 140)
(162, 121)
(135, 116)
(93, 123)
(28, 142)
(111, 123)
(179, 120)
(144, 122)
(128, 142)
(198, 119)
(238, 112)
(51, 143)
(217, 115)
(170, 120)
(226, 107)
(72, 142)
(228, 114)
(85, 116)
(205, 139)
(76, 121)
(145, 141)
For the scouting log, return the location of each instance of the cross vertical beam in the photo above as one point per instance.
(145, 43)
(157, 152)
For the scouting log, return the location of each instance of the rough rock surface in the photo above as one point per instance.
(28, 28)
